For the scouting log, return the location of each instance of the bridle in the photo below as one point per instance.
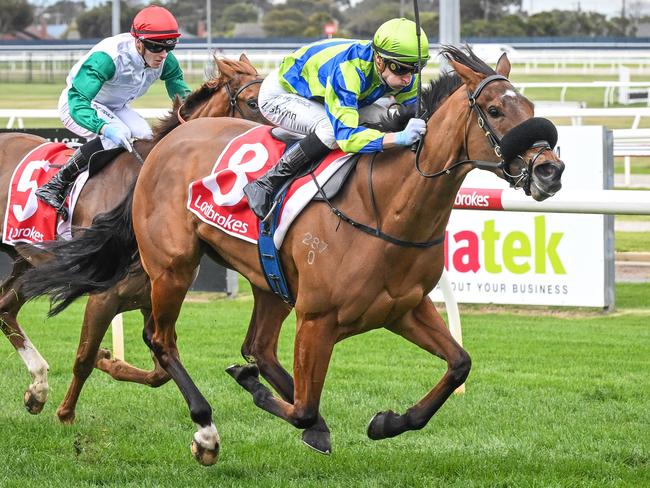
(521, 180)
(233, 96)
(232, 99)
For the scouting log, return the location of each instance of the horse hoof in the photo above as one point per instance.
(318, 440)
(241, 373)
(204, 455)
(66, 417)
(33, 404)
(383, 425)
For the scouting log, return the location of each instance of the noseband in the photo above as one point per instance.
(542, 130)
(234, 96)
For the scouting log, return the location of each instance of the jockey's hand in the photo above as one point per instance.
(412, 133)
(118, 135)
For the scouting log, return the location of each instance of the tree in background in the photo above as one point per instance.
(235, 14)
(487, 9)
(97, 22)
(284, 22)
(15, 15)
(190, 12)
(64, 11)
(507, 26)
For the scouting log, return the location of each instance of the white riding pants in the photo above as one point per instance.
(127, 117)
(300, 115)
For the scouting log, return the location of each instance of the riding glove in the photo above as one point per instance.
(118, 134)
(412, 133)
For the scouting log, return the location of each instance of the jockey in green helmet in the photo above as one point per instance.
(328, 89)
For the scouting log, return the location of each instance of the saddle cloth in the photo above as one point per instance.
(219, 200)
(28, 219)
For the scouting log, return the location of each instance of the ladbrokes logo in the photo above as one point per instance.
(473, 199)
(27, 233)
(227, 222)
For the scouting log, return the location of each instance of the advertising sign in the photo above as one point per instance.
(537, 258)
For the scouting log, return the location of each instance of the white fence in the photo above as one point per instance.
(633, 142)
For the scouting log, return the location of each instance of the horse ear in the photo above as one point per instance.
(469, 77)
(244, 59)
(224, 69)
(503, 65)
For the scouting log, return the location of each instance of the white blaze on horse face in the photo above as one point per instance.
(510, 93)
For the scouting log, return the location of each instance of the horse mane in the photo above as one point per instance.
(199, 96)
(436, 91)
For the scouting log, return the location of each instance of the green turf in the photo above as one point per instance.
(638, 166)
(554, 399)
(632, 241)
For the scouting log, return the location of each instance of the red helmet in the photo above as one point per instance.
(154, 22)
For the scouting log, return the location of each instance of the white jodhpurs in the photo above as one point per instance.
(300, 115)
(126, 116)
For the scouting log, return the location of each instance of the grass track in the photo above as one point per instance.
(552, 400)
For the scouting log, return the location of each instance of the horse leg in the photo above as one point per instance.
(168, 289)
(10, 304)
(315, 339)
(120, 370)
(100, 310)
(425, 327)
(260, 349)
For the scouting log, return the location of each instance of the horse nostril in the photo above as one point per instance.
(549, 171)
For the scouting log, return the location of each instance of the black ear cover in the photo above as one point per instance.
(521, 137)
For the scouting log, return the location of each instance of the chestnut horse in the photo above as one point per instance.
(230, 92)
(360, 281)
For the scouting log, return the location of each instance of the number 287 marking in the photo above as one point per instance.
(316, 246)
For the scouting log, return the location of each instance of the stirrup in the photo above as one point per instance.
(269, 215)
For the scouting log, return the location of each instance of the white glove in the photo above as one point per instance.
(412, 133)
(118, 135)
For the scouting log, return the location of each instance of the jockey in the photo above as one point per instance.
(325, 90)
(119, 69)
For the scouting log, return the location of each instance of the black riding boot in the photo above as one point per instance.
(54, 191)
(260, 193)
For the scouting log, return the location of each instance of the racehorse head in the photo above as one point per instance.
(500, 127)
(231, 91)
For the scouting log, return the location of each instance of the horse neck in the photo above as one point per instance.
(216, 106)
(418, 208)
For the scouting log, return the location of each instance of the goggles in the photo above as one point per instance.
(158, 47)
(400, 68)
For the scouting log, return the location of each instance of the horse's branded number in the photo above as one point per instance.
(316, 246)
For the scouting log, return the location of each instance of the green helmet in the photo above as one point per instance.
(397, 40)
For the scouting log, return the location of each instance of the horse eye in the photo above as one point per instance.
(493, 112)
(252, 104)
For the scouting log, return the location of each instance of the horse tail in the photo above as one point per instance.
(93, 261)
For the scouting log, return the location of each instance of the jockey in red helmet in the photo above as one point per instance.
(100, 86)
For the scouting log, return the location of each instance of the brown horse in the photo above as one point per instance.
(230, 92)
(361, 280)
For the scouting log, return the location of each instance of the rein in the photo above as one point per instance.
(373, 231)
(522, 180)
(376, 231)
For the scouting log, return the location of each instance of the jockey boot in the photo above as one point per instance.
(261, 192)
(54, 191)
